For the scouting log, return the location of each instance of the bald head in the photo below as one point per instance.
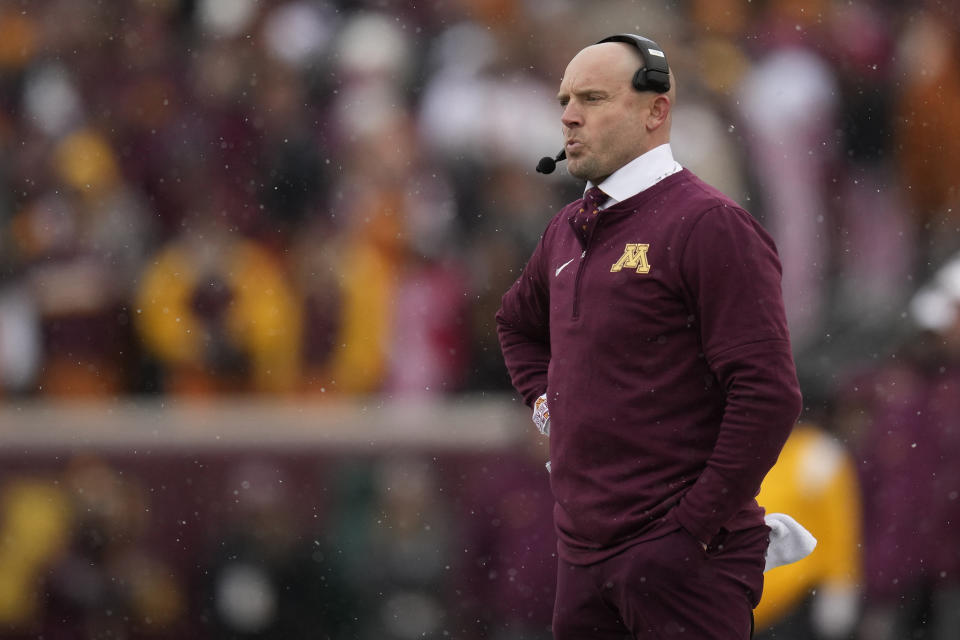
(606, 122)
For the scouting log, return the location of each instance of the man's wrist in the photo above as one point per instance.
(541, 415)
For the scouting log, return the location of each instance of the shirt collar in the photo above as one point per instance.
(639, 174)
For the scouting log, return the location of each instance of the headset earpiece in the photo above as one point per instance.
(654, 75)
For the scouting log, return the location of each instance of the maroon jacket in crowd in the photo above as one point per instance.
(907, 449)
(658, 333)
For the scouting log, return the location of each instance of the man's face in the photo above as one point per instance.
(603, 116)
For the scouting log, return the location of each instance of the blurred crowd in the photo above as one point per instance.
(328, 198)
(205, 197)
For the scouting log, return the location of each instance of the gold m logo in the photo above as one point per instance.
(634, 257)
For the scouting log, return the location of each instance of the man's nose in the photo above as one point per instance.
(571, 116)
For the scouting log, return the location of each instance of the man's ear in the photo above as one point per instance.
(659, 112)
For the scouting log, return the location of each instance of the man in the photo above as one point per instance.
(649, 320)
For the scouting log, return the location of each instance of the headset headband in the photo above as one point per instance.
(654, 75)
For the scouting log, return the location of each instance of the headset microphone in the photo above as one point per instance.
(548, 164)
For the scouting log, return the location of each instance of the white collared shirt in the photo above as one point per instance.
(638, 175)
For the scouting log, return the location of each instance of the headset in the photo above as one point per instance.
(654, 75)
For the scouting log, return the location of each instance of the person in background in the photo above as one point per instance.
(901, 416)
(218, 313)
(815, 479)
(650, 321)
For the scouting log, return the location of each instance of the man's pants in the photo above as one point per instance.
(665, 588)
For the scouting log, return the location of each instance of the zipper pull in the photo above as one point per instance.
(583, 255)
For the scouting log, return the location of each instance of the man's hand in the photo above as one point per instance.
(541, 415)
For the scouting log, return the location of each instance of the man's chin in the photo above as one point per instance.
(578, 170)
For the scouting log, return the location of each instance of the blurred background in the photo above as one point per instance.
(250, 254)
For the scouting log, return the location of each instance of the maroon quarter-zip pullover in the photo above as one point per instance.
(656, 328)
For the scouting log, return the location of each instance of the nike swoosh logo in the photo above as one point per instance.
(561, 267)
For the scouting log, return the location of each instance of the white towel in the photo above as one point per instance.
(789, 541)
